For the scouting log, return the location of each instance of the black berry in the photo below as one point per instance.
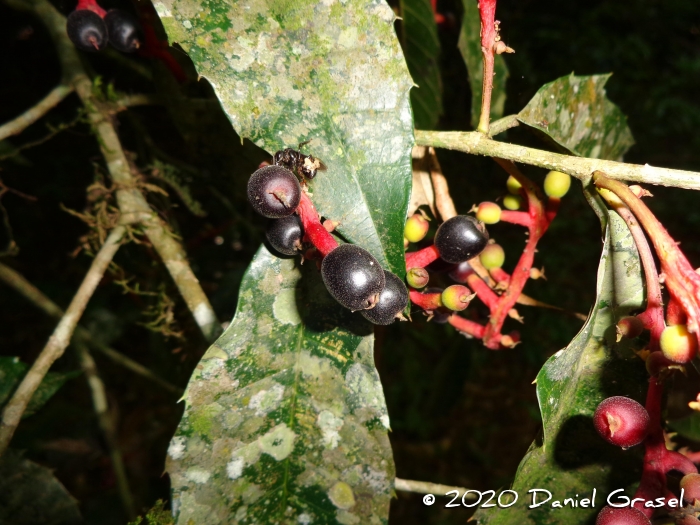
(353, 277)
(285, 234)
(461, 238)
(123, 30)
(274, 192)
(86, 30)
(392, 301)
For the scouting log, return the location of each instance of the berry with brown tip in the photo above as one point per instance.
(417, 277)
(488, 212)
(621, 421)
(677, 344)
(629, 326)
(690, 483)
(353, 277)
(392, 301)
(274, 192)
(621, 516)
(457, 297)
(416, 228)
(86, 30)
(123, 30)
(285, 234)
(460, 238)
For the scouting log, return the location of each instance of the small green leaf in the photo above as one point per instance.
(285, 419)
(31, 495)
(470, 47)
(688, 427)
(571, 459)
(12, 371)
(576, 114)
(329, 72)
(421, 46)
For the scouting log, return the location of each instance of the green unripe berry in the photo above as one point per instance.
(557, 184)
(417, 277)
(488, 212)
(513, 185)
(512, 202)
(457, 297)
(416, 228)
(493, 256)
(677, 344)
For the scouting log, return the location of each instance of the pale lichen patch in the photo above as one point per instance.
(329, 425)
(285, 307)
(176, 449)
(341, 495)
(266, 401)
(197, 475)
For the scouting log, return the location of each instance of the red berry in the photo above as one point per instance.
(691, 487)
(621, 516)
(621, 421)
(629, 327)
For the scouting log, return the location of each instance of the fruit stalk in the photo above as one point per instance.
(466, 326)
(427, 301)
(314, 232)
(90, 5)
(422, 258)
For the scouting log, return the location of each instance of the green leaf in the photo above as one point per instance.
(470, 47)
(688, 427)
(576, 114)
(421, 46)
(12, 371)
(285, 421)
(31, 495)
(571, 459)
(330, 72)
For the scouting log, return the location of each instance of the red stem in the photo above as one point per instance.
(485, 294)
(92, 6)
(426, 301)
(487, 13)
(314, 232)
(466, 326)
(422, 258)
(521, 218)
(500, 275)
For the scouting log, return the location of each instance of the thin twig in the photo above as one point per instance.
(29, 117)
(132, 203)
(580, 167)
(425, 487)
(503, 124)
(30, 292)
(99, 402)
(59, 340)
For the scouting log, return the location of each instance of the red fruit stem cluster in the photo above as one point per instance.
(92, 6)
(427, 301)
(537, 220)
(314, 232)
(487, 13)
(152, 46)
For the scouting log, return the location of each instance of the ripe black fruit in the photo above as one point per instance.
(86, 30)
(353, 277)
(123, 30)
(392, 301)
(274, 192)
(461, 238)
(285, 234)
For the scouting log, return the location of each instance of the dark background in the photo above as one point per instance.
(461, 415)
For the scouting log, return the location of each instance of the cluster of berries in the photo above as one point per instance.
(91, 28)
(351, 274)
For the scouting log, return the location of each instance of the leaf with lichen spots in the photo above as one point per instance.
(285, 419)
(470, 47)
(571, 459)
(330, 72)
(577, 115)
(422, 48)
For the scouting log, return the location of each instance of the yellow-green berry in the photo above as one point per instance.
(493, 256)
(416, 228)
(512, 202)
(677, 344)
(417, 277)
(557, 184)
(513, 185)
(488, 212)
(457, 297)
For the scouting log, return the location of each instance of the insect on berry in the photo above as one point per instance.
(621, 421)
(285, 234)
(86, 30)
(274, 192)
(353, 277)
(460, 238)
(123, 30)
(392, 301)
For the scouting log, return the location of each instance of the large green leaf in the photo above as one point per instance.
(571, 459)
(285, 419)
(331, 72)
(12, 371)
(422, 48)
(577, 115)
(31, 495)
(470, 47)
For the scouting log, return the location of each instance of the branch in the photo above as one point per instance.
(132, 203)
(503, 124)
(580, 167)
(29, 117)
(425, 487)
(59, 340)
(35, 296)
(99, 402)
